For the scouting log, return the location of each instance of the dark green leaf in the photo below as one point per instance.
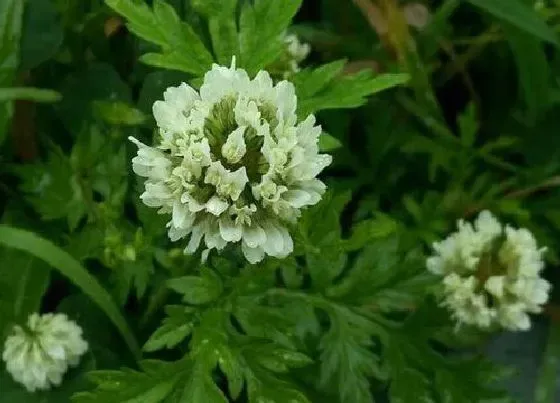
(151, 386)
(347, 361)
(98, 82)
(468, 125)
(177, 325)
(532, 67)
(520, 15)
(366, 231)
(198, 290)
(41, 34)
(118, 113)
(260, 31)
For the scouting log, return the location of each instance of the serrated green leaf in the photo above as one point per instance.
(222, 25)
(198, 290)
(349, 92)
(127, 386)
(347, 361)
(176, 326)
(140, 20)
(52, 188)
(407, 384)
(69, 267)
(28, 94)
(520, 15)
(309, 82)
(182, 48)
(320, 237)
(368, 230)
(260, 31)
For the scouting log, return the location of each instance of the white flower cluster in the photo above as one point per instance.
(232, 165)
(491, 274)
(296, 52)
(39, 354)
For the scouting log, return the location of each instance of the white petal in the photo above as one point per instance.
(274, 239)
(253, 255)
(297, 198)
(216, 206)
(254, 236)
(196, 237)
(229, 231)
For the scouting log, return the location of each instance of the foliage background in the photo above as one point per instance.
(347, 319)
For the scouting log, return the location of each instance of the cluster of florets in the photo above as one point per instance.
(491, 274)
(39, 353)
(232, 164)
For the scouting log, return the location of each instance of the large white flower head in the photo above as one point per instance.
(233, 165)
(491, 274)
(39, 354)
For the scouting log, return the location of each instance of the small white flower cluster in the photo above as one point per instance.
(296, 52)
(232, 165)
(491, 274)
(39, 354)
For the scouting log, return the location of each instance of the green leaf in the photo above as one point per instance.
(182, 49)
(532, 67)
(320, 238)
(520, 15)
(198, 290)
(222, 25)
(347, 361)
(97, 82)
(328, 142)
(547, 386)
(42, 33)
(407, 384)
(381, 278)
(23, 282)
(127, 386)
(11, 14)
(177, 325)
(69, 267)
(366, 231)
(349, 92)
(309, 82)
(28, 94)
(260, 31)
(118, 113)
(468, 125)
